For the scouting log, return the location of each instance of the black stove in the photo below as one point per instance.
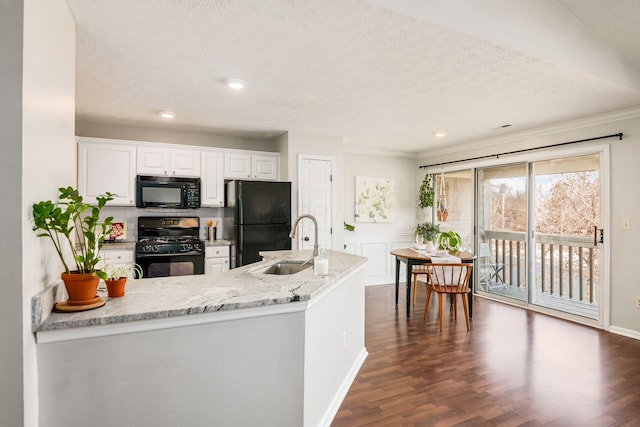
(169, 246)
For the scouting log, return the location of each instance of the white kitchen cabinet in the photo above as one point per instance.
(212, 176)
(265, 167)
(216, 259)
(106, 167)
(237, 165)
(251, 166)
(157, 160)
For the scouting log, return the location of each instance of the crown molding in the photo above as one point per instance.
(611, 117)
(352, 149)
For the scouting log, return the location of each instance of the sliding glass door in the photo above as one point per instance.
(566, 218)
(537, 230)
(502, 231)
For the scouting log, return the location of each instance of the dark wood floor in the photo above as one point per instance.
(514, 368)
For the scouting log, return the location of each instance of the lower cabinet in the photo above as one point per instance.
(216, 259)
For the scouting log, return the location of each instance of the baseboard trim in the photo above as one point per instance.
(625, 332)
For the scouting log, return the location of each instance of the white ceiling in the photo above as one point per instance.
(383, 79)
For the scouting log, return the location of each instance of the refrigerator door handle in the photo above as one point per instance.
(240, 207)
(239, 248)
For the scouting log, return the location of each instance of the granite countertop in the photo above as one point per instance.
(122, 245)
(218, 242)
(243, 287)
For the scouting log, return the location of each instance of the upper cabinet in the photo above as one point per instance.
(112, 165)
(106, 167)
(212, 179)
(157, 160)
(252, 166)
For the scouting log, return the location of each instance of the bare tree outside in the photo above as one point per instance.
(570, 205)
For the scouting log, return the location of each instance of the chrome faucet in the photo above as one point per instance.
(315, 222)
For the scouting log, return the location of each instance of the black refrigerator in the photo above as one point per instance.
(258, 214)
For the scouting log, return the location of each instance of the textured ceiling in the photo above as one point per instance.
(382, 79)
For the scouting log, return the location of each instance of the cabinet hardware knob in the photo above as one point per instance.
(306, 238)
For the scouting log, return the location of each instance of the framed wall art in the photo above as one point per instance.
(375, 199)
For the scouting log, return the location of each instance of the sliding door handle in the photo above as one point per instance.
(598, 235)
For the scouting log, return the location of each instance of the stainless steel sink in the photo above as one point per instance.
(283, 268)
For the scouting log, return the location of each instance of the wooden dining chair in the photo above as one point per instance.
(418, 270)
(451, 279)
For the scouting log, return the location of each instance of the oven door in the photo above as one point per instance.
(164, 265)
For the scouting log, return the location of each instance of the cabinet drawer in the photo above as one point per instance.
(217, 252)
(118, 257)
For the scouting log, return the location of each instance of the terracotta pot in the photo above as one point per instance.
(115, 287)
(81, 288)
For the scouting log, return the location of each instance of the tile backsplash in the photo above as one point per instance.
(131, 214)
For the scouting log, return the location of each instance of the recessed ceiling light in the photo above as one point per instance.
(235, 83)
(439, 134)
(167, 114)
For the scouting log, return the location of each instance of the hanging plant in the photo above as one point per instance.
(426, 191)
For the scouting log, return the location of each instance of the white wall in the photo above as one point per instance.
(48, 158)
(376, 240)
(625, 203)
(11, 307)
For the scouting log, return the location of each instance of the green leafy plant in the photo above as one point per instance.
(426, 191)
(349, 227)
(449, 240)
(118, 271)
(428, 230)
(76, 223)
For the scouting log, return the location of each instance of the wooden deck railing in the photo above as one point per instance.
(566, 267)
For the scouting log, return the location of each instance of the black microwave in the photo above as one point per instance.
(167, 192)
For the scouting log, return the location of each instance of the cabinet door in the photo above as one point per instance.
(265, 167)
(216, 259)
(237, 165)
(106, 167)
(216, 265)
(153, 160)
(185, 162)
(212, 191)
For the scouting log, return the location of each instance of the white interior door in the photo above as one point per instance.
(315, 176)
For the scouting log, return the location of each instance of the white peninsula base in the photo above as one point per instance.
(277, 365)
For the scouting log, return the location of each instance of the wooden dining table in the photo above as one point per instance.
(412, 257)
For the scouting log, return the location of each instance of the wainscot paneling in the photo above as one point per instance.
(352, 248)
(377, 247)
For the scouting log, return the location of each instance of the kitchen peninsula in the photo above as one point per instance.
(237, 348)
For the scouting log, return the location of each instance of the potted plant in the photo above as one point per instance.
(429, 231)
(75, 223)
(449, 240)
(116, 277)
(442, 211)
